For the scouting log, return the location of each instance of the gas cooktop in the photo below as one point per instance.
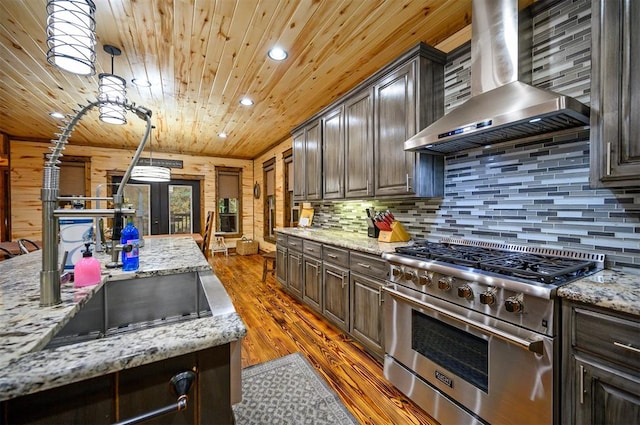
(545, 266)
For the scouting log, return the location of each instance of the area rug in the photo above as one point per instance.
(288, 391)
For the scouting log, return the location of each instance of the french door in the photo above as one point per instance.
(164, 208)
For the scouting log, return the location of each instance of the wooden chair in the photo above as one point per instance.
(5, 254)
(269, 260)
(206, 235)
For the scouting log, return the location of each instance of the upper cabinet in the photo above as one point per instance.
(364, 133)
(307, 162)
(615, 94)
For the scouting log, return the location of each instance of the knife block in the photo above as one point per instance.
(397, 234)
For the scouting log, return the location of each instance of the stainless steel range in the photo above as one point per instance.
(471, 328)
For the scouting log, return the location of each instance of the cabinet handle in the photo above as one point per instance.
(626, 347)
(408, 186)
(367, 186)
(332, 256)
(366, 266)
(582, 372)
(380, 298)
(608, 159)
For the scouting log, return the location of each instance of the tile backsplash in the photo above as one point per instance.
(523, 192)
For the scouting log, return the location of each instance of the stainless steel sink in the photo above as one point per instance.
(138, 303)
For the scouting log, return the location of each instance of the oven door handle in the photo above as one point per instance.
(534, 346)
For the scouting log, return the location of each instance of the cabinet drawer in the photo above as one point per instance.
(311, 249)
(612, 337)
(369, 265)
(281, 239)
(335, 255)
(294, 243)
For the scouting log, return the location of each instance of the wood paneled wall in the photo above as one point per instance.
(27, 164)
(258, 204)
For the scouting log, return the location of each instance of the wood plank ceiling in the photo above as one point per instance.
(202, 56)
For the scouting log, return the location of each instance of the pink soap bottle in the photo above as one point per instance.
(87, 270)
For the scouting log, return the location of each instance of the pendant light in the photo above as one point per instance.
(150, 173)
(71, 35)
(112, 87)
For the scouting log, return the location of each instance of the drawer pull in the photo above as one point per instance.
(581, 389)
(366, 266)
(310, 249)
(332, 256)
(626, 347)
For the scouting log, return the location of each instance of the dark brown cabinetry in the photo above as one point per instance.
(307, 162)
(615, 94)
(367, 279)
(295, 267)
(333, 154)
(335, 280)
(312, 288)
(602, 366)
(365, 132)
(358, 153)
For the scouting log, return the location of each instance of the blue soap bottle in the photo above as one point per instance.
(130, 238)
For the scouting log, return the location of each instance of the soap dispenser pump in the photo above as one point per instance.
(87, 269)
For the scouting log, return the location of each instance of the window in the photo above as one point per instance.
(228, 200)
(269, 178)
(292, 211)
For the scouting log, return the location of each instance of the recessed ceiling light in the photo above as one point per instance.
(222, 135)
(141, 82)
(246, 101)
(57, 115)
(278, 54)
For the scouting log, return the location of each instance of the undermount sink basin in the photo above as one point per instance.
(128, 305)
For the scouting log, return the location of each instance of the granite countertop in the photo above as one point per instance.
(613, 290)
(349, 240)
(26, 328)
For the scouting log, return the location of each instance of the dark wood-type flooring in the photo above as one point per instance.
(279, 325)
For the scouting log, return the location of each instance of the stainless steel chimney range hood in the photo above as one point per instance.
(502, 106)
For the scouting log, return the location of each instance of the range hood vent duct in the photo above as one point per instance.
(502, 106)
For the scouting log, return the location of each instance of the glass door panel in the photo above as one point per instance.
(138, 196)
(180, 209)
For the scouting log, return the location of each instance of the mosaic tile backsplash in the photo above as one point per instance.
(528, 193)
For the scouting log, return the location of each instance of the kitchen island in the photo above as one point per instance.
(26, 328)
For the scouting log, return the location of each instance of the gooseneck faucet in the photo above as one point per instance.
(51, 273)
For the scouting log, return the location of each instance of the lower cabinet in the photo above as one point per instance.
(312, 293)
(601, 373)
(295, 273)
(281, 264)
(366, 312)
(336, 295)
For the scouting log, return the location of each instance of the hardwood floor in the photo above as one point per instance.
(279, 325)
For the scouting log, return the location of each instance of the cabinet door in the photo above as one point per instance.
(281, 265)
(313, 162)
(333, 154)
(336, 295)
(358, 112)
(312, 290)
(605, 395)
(299, 169)
(615, 94)
(394, 123)
(367, 312)
(294, 273)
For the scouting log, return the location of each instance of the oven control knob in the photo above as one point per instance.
(488, 297)
(514, 304)
(395, 271)
(465, 291)
(410, 275)
(444, 283)
(426, 279)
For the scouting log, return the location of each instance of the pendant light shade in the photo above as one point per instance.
(71, 35)
(150, 173)
(112, 87)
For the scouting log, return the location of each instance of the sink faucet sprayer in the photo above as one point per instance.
(50, 276)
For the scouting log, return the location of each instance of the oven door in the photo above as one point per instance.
(498, 372)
